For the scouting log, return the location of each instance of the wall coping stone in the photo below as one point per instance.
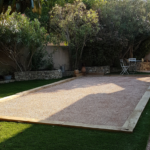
(98, 69)
(6, 81)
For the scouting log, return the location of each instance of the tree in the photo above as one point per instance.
(21, 5)
(128, 21)
(19, 40)
(43, 15)
(76, 25)
(125, 24)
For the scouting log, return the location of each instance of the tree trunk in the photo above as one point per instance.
(70, 58)
(131, 52)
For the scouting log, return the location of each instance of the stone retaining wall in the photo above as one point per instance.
(68, 73)
(6, 81)
(34, 75)
(115, 69)
(101, 69)
(140, 66)
(143, 66)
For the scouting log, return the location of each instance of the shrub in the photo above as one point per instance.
(19, 40)
(42, 60)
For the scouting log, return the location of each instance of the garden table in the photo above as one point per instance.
(132, 64)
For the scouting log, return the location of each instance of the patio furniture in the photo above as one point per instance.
(124, 67)
(132, 64)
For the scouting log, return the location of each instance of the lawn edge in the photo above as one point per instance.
(128, 126)
(63, 123)
(34, 89)
(132, 120)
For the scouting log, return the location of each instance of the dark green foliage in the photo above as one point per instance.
(123, 27)
(101, 53)
(38, 59)
(46, 7)
(143, 50)
(42, 60)
(43, 18)
(50, 63)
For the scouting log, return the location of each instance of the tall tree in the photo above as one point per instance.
(128, 21)
(76, 25)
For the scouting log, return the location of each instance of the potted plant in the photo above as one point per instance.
(76, 72)
(83, 70)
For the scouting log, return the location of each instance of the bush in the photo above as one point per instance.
(19, 40)
(143, 50)
(42, 60)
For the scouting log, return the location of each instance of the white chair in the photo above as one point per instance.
(124, 68)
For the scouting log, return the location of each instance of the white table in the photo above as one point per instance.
(132, 64)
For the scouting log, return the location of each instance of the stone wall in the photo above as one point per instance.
(100, 70)
(6, 81)
(143, 66)
(68, 73)
(34, 75)
(115, 69)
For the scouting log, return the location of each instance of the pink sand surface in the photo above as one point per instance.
(148, 145)
(90, 100)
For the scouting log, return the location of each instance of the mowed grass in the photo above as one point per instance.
(22, 136)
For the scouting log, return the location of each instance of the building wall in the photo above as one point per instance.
(60, 56)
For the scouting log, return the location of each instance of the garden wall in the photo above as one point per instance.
(34, 75)
(115, 69)
(60, 56)
(100, 70)
(143, 66)
(68, 73)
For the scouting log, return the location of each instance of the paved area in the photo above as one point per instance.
(90, 100)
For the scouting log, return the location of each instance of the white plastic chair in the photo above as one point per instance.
(124, 68)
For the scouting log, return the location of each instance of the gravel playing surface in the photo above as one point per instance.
(148, 145)
(89, 100)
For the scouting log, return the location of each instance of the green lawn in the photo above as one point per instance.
(21, 136)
